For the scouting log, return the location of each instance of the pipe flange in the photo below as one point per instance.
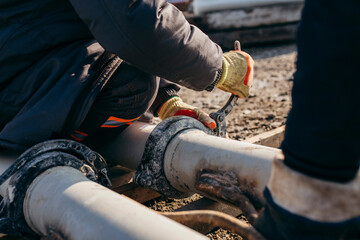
(34, 162)
(150, 173)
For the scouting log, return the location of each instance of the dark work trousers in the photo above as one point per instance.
(128, 95)
(322, 136)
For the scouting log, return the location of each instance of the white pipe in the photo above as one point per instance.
(64, 200)
(190, 153)
(204, 6)
(127, 149)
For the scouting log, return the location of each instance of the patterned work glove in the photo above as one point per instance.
(237, 73)
(176, 107)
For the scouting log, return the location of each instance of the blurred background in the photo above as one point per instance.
(253, 22)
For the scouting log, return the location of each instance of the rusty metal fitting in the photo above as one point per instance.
(216, 219)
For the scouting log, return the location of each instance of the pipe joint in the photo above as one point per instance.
(150, 173)
(34, 162)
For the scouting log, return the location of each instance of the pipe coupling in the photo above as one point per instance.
(34, 162)
(150, 173)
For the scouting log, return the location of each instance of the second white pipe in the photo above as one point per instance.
(63, 200)
(192, 152)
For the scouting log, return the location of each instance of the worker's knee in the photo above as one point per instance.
(144, 88)
(129, 93)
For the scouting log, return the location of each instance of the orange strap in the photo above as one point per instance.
(121, 121)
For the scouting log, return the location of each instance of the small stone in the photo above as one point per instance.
(270, 117)
(276, 124)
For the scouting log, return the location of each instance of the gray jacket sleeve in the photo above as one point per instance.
(154, 36)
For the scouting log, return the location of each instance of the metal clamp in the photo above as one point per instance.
(150, 173)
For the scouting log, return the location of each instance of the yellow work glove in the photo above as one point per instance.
(237, 73)
(176, 107)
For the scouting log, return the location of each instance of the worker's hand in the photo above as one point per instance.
(237, 73)
(176, 107)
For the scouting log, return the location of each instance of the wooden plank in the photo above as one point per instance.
(120, 176)
(254, 17)
(255, 35)
(271, 138)
(137, 193)
(256, 25)
(121, 179)
(201, 7)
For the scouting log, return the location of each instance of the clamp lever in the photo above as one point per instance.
(220, 115)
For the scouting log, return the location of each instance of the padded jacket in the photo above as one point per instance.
(56, 55)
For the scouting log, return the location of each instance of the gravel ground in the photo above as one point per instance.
(266, 108)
